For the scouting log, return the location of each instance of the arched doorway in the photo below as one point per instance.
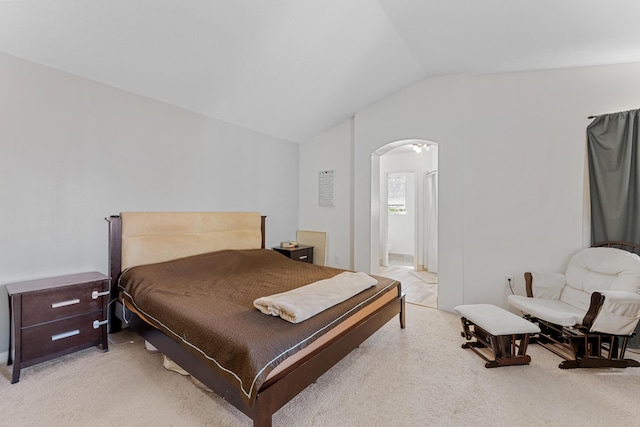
(405, 210)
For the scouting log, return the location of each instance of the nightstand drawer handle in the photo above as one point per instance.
(96, 294)
(303, 257)
(68, 334)
(65, 303)
(97, 323)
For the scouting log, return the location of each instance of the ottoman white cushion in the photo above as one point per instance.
(496, 320)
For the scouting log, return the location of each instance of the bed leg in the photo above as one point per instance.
(402, 312)
(262, 410)
(262, 420)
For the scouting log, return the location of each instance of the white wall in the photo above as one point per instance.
(429, 110)
(511, 169)
(330, 150)
(75, 151)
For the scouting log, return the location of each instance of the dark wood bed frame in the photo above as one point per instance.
(276, 391)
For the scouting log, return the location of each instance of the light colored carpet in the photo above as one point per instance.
(414, 377)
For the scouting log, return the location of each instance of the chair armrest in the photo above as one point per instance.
(544, 285)
(613, 312)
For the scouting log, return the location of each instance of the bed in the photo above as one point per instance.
(277, 359)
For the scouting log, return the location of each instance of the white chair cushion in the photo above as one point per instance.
(596, 269)
(613, 272)
(548, 285)
(619, 314)
(552, 311)
(576, 298)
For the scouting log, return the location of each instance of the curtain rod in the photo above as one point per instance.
(627, 111)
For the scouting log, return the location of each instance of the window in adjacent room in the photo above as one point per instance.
(397, 194)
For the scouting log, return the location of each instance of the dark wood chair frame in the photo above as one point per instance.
(579, 347)
(275, 392)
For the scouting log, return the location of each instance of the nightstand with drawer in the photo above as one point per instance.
(55, 316)
(299, 253)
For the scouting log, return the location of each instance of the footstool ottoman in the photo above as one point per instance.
(501, 337)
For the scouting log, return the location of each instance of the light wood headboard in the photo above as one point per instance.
(150, 237)
(137, 238)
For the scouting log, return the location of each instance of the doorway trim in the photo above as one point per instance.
(375, 236)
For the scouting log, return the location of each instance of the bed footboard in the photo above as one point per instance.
(279, 390)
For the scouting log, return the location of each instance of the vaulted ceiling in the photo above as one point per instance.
(293, 68)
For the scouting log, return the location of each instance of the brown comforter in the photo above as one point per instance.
(206, 302)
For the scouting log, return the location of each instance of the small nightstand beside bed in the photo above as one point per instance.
(187, 282)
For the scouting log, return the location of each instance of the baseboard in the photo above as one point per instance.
(4, 356)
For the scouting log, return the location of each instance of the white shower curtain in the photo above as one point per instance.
(431, 221)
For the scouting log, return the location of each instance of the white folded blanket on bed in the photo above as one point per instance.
(302, 303)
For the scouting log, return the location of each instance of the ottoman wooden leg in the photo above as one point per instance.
(505, 335)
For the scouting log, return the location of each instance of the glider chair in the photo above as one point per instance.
(587, 314)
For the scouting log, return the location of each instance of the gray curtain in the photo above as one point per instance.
(614, 176)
